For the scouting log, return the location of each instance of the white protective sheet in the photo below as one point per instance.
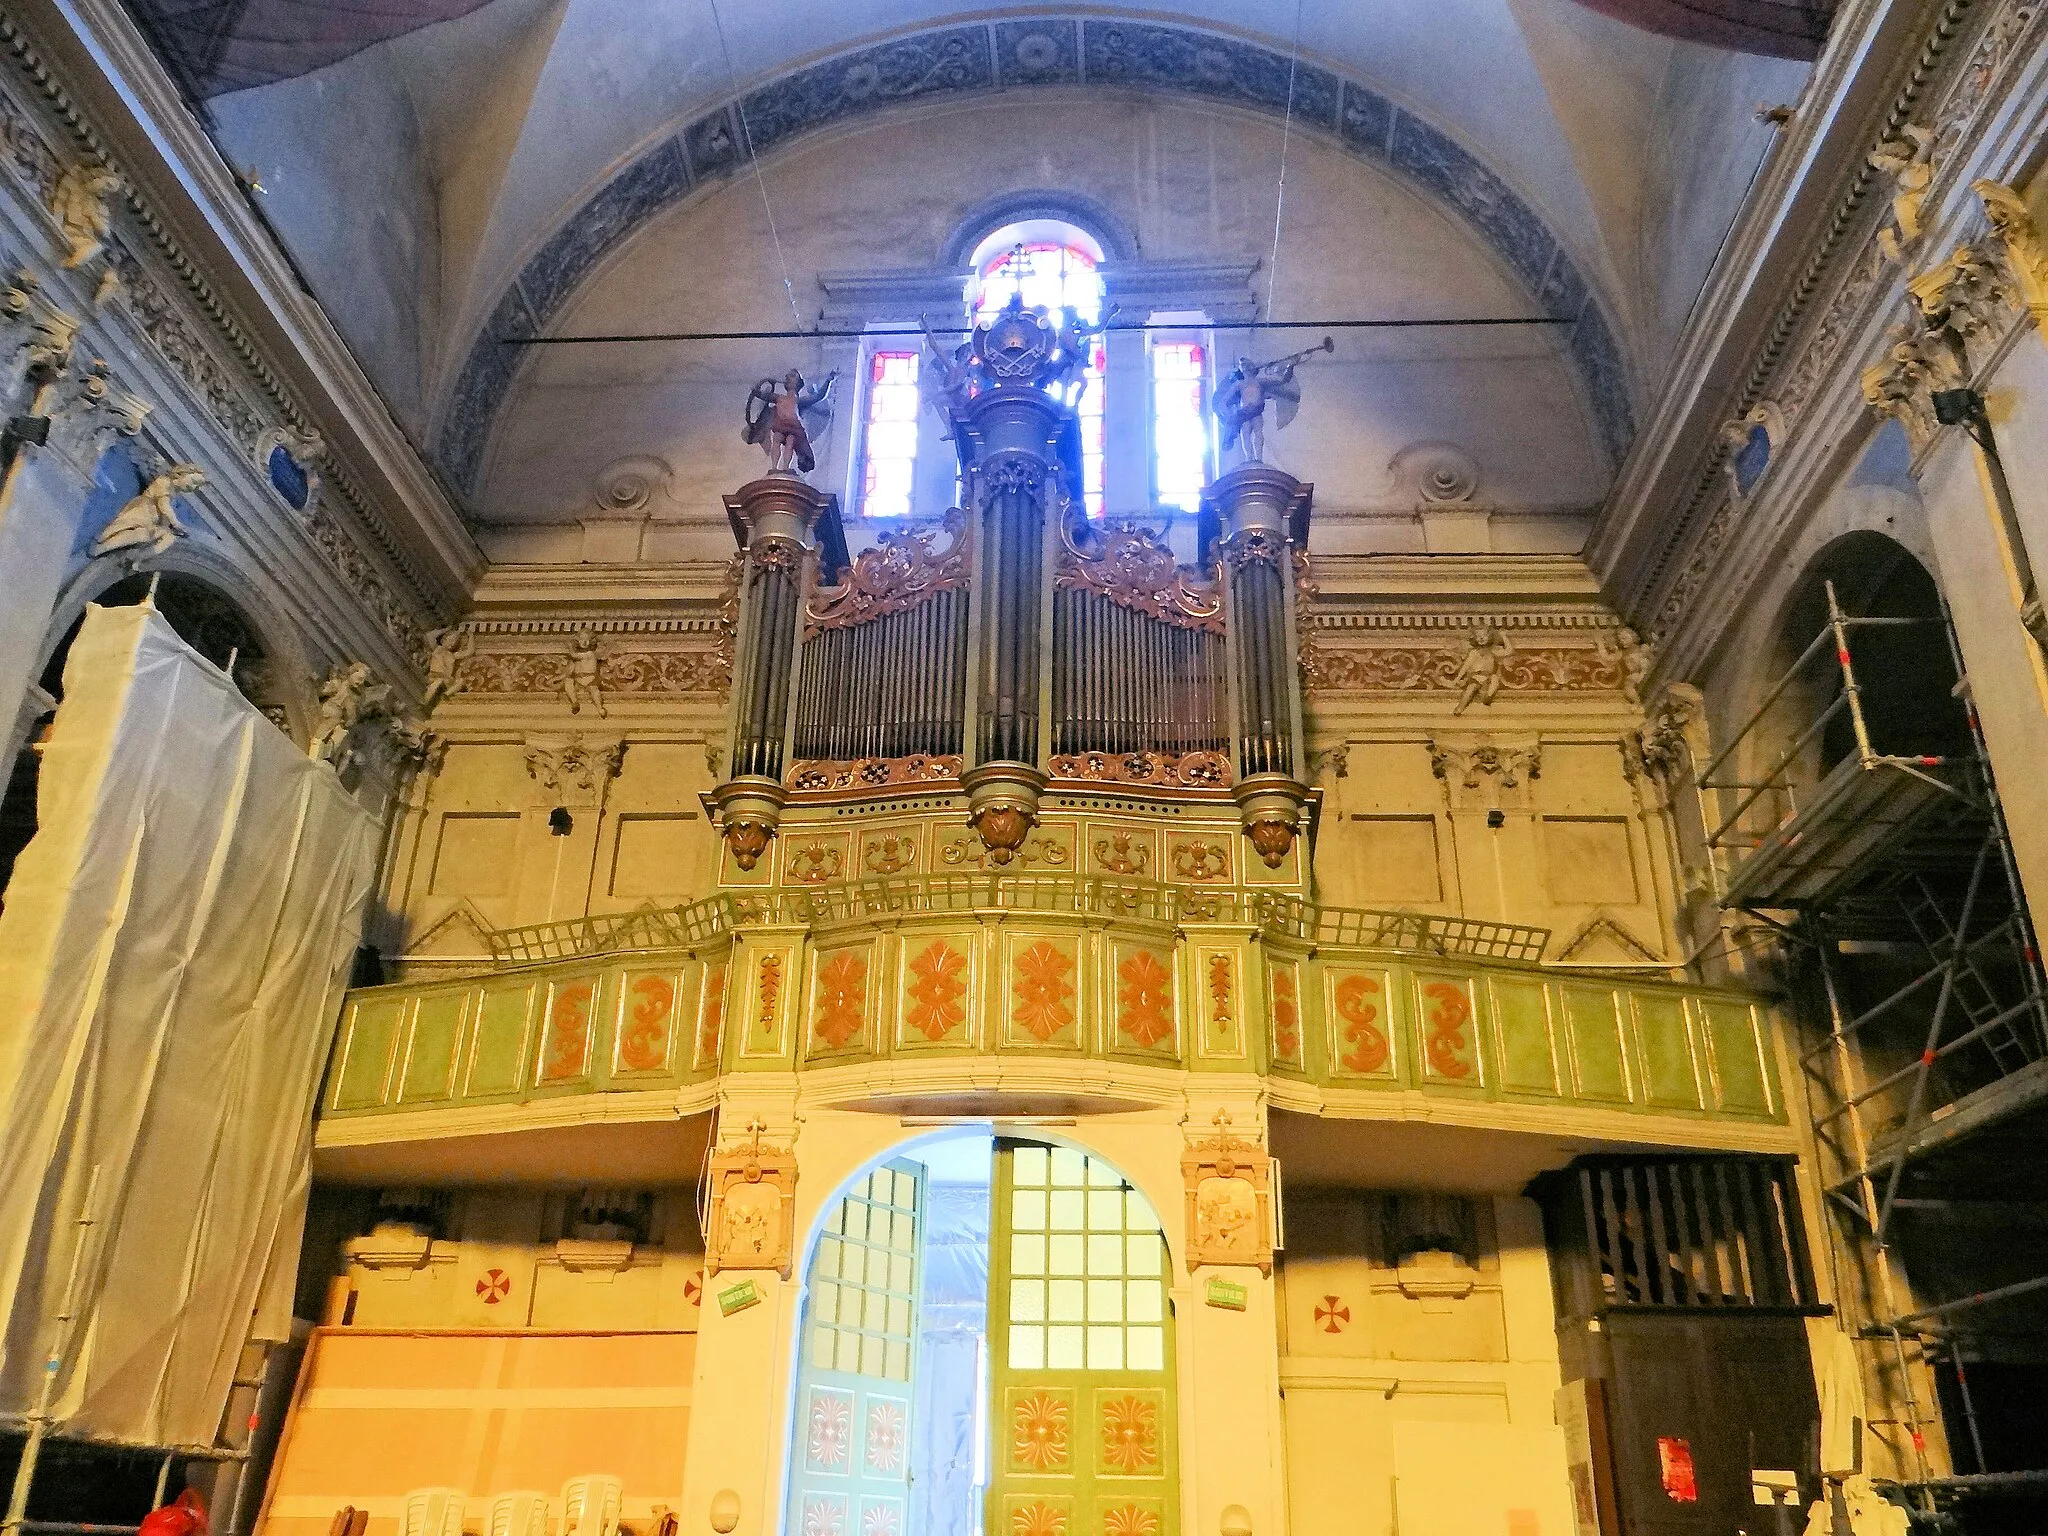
(172, 953)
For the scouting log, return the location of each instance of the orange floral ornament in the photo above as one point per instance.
(1042, 990)
(1366, 1046)
(1038, 1441)
(1038, 1518)
(1286, 1018)
(1130, 1520)
(938, 983)
(1130, 1434)
(1145, 1000)
(842, 988)
(643, 1047)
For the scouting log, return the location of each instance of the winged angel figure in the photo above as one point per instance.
(1240, 400)
(788, 423)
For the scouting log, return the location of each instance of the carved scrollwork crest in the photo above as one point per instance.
(1186, 770)
(1133, 567)
(820, 775)
(901, 571)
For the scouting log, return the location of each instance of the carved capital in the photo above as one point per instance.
(90, 412)
(570, 770)
(2026, 257)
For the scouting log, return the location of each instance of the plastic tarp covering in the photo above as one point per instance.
(175, 941)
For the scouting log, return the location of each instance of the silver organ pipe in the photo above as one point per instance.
(886, 687)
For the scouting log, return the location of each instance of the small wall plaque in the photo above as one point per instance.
(737, 1298)
(1227, 1294)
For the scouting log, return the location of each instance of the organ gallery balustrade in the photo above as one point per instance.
(973, 982)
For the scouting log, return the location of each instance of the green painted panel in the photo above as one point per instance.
(1671, 1077)
(497, 1062)
(1599, 1070)
(1521, 1021)
(1742, 1081)
(369, 1041)
(430, 1050)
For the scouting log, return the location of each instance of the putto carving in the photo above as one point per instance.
(1133, 567)
(447, 650)
(903, 569)
(788, 423)
(148, 523)
(1909, 161)
(347, 698)
(1634, 660)
(1230, 1200)
(753, 1195)
(1240, 401)
(1478, 678)
(1185, 770)
(580, 685)
(78, 202)
(872, 772)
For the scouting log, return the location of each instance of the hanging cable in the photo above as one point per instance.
(739, 108)
(1280, 196)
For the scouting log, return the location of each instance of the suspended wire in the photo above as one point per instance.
(739, 108)
(1280, 196)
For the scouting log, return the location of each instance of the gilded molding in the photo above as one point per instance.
(822, 775)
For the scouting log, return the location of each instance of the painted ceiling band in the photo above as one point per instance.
(958, 62)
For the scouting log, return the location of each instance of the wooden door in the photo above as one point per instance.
(850, 1463)
(1080, 1350)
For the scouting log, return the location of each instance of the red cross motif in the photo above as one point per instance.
(1333, 1314)
(494, 1287)
(693, 1289)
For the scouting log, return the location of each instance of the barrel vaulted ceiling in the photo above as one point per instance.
(445, 172)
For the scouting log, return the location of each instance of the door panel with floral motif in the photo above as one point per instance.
(850, 1450)
(1081, 1352)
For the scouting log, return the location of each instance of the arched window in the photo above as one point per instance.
(1058, 266)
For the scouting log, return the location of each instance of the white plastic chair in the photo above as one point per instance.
(522, 1512)
(590, 1505)
(431, 1512)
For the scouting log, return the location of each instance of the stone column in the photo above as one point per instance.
(1016, 484)
(780, 514)
(1258, 506)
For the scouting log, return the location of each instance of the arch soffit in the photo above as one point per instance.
(954, 62)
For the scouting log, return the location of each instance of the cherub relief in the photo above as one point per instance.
(149, 523)
(1478, 677)
(581, 683)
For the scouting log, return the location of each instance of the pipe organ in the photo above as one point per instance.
(1016, 646)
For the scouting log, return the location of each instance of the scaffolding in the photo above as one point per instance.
(1901, 856)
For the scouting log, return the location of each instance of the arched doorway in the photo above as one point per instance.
(985, 1348)
(205, 618)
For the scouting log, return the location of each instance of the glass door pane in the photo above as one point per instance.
(850, 1460)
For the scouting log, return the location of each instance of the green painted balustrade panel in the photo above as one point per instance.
(1351, 1022)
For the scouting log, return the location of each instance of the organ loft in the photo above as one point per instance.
(1022, 771)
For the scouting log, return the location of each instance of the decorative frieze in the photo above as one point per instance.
(636, 673)
(873, 773)
(1182, 770)
(1446, 667)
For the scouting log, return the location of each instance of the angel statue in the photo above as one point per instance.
(149, 523)
(950, 382)
(449, 649)
(347, 698)
(1072, 358)
(788, 422)
(1240, 400)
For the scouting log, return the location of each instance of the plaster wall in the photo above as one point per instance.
(1195, 183)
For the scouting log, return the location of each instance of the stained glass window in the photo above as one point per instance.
(1058, 277)
(889, 441)
(1180, 430)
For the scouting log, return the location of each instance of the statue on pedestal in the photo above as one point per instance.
(1240, 400)
(788, 422)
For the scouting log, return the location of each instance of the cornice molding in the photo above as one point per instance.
(105, 84)
(1785, 252)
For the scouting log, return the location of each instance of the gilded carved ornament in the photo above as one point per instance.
(1183, 770)
(901, 571)
(753, 1199)
(1132, 566)
(821, 775)
(1230, 1200)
